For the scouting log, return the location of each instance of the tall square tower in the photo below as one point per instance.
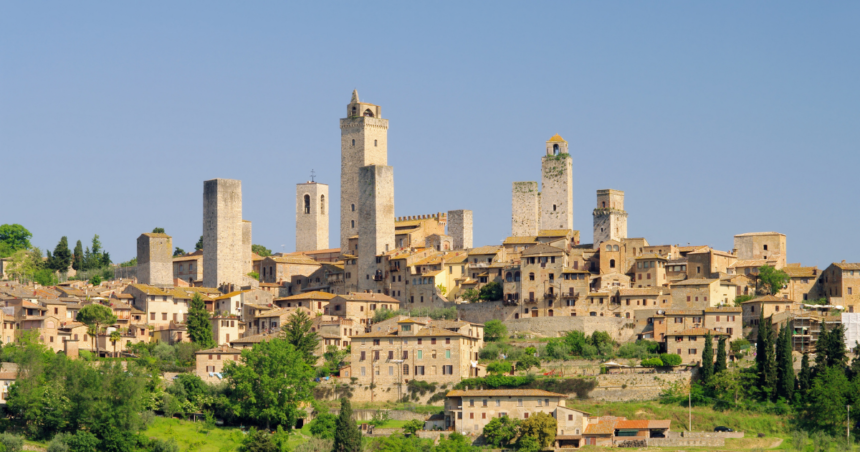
(311, 216)
(155, 259)
(556, 186)
(363, 142)
(460, 228)
(376, 212)
(610, 219)
(223, 258)
(247, 253)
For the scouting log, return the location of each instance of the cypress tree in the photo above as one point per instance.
(760, 355)
(199, 245)
(707, 366)
(62, 256)
(785, 366)
(837, 355)
(199, 326)
(821, 347)
(78, 258)
(722, 359)
(804, 379)
(770, 353)
(347, 437)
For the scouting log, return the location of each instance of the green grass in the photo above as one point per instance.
(189, 435)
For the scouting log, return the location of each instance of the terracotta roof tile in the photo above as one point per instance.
(315, 295)
(503, 393)
(492, 249)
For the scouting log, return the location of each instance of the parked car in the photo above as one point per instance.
(723, 429)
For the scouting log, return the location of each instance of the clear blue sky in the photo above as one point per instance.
(714, 118)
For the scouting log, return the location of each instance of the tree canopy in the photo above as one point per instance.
(261, 250)
(347, 437)
(772, 280)
(297, 331)
(198, 323)
(96, 316)
(13, 237)
(495, 330)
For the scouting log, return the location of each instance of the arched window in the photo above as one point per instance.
(509, 277)
(368, 113)
(555, 149)
(352, 223)
(604, 202)
(352, 207)
(354, 112)
(611, 263)
(614, 247)
(608, 247)
(516, 276)
(307, 204)
(322, 204)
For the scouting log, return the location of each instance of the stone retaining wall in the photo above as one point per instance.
(686, 442)
(704, 434)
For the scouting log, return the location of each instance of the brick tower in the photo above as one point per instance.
(223, 256)
(155, 259)
(460, 228)
(556, 203)
(376, 212)
(610, 219)
(525, 209)
(311, 216)
(363, 142)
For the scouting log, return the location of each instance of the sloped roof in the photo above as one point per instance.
(847, 266)
(769, 299)
(697, 332)
(694, 282)
(750, 234)
(491, 249)
(556, 138)
(315, 295)
(645, 291)
(601, 428)
(554, 232)
(801, 272)
(357, 296)
(503, 393)
(542, 248)
(521, 240)
(149, 290)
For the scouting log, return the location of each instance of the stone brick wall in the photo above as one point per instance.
(155, 259)
(376, 226)
(525, 209)
(247, 240)
(634, 387)
(610, 219)
(460, 228)
(312, 220)
(686, 442)
(684, 434)
(363, 142)
(222, 233)
(557, 192)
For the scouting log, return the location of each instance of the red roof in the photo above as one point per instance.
(631, 424)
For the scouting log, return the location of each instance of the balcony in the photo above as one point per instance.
(550, 296)
(378, 277)
(570, 295)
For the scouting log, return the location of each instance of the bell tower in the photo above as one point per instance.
(556, 203)
(363, 142)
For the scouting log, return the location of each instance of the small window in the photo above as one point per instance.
(353, 143)
(374, 143)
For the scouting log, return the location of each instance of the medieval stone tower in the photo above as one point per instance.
(610, 219)
(311, 216)
(223, 231)
(363, 142)
(460, 228)
(155, 259)
(556, 201)
(525, 208)
(376, 215)
(247, 253)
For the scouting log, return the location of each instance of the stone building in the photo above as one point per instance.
(460, 228)
(363, 142)
(376, 214)
(189, 268)
(159, 306)
(415, 350)
(610, 218)
(690, 343)
(155, 259)
(769, 305)
(360, 307)
(556, 201)
(311, 216)
(247, 254)
(223, 256)
(761, 245)
(210, 363)
(841, 285)
(805, 283)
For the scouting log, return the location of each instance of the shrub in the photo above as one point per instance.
(671, 359)
(12, 443)
(527, 362)
(495, 330)
(495, 381)
(323, 425)
(739, 345)
(652, 362)
(58, 443)
(498, 367)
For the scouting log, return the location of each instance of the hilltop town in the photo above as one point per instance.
(408, 309)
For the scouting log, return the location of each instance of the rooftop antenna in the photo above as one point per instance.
(313, 174)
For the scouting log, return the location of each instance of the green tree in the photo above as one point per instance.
(11, 443)
(471, 295)
(827, 398)
(78, 257)
(83, 441)
(500, 432)
(491, 292)
(495, 330)
(830, 348)
(269, 384)
(455, 442)
(785, 366)
(45, 277)
(258, 441)
(706, 371)
(412, 426)
(198, 323)
(13, 237)
(740, 299)
(178, 252)
(261, 250)
(728, 387)
(199, 245)
(765, 357)
(96, 280)
(347, 437)
(158, 231)
(772, 280)
(804, 378)
(722, 359)
(297, 331)
(62, 257)
(671, 359)
(25, 263)
(96, 316)
(324, 423)
(335, 358)
(114, 338)
(541, 426)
